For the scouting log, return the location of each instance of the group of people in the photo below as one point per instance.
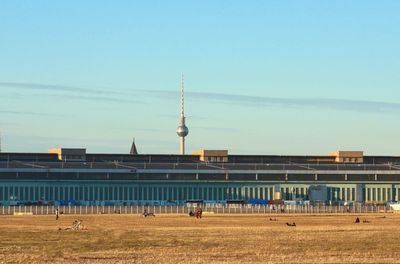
(198, 213)
(365, 221)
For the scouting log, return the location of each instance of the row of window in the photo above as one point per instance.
(200, 176)
(380, 194)
(341, 194)
(369, 194)
(181, 193)
(131, 193)
(294, 193)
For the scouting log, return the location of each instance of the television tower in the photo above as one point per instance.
(182, 129)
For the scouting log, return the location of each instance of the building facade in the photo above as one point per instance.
(74, 175)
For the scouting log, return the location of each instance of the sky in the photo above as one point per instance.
(261, 77)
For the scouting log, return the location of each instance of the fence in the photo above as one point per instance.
(208, 209)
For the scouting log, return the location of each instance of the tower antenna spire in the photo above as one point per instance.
(183, 95)
(182, 129)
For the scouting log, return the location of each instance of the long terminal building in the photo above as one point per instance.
(209, 175)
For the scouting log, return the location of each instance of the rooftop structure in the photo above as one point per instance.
(348, 156)
(69, 154)
(212, 155)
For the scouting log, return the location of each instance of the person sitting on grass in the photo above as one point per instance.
(146, 214)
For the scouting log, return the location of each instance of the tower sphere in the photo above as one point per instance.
(182, 131)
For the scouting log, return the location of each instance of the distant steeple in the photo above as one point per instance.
(133, 148)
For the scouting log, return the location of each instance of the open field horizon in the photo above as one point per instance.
(213, 239)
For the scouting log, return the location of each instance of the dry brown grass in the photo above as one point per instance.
(213, 239)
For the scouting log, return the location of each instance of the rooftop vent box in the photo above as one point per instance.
(212, 155)
(342, 156)
(69, 154)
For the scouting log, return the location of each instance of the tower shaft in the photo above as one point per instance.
(182, 146)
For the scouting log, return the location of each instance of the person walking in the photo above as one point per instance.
(57, 214)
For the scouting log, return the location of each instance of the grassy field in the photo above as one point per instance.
(216, 239)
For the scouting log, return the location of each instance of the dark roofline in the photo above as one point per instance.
(168, 158)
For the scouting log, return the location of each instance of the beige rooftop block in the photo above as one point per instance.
(212, 155)
(69, 154)
(346, 156)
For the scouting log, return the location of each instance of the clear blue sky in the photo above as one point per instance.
(262, 77)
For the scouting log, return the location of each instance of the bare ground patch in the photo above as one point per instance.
(213, 239)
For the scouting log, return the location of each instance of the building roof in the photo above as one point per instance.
(170, 158)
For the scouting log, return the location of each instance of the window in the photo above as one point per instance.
(239, 193)
(37, 194)
(6, 193)
(126, 195)
(131, 191)
(95, 193)
(164, 193)
(61, 193)
(384, 192)
(136, 193)
(74, 192)
(42, 195)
